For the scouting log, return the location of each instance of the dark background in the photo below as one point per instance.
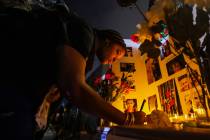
(108, 14)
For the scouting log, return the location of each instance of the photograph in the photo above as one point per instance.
(192, 101)
(175, 65)
(184, 82)
(188, 81)
(130, 105)
(152, 103)
(129, 52)
(127, 67)
(153, 70)
(169, 98)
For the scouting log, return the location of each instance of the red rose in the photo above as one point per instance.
(135, 38)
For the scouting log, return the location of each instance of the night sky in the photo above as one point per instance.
(108, 14)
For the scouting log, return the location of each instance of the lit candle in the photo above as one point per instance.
(176, 116)
(185, 116)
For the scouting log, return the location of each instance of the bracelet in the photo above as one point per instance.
(130, 119)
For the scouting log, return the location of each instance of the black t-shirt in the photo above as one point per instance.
(28, 42)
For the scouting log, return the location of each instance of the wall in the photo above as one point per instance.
(139, 76)
(143, 89)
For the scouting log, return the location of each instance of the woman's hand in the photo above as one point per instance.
(42, 115)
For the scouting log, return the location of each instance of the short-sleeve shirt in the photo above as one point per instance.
(28, 42)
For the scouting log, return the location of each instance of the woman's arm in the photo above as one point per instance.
(72, 83)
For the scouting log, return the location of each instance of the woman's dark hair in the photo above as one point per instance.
(111, 35)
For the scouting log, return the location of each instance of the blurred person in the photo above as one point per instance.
(42, 47)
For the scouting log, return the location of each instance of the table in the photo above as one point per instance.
(145, 133)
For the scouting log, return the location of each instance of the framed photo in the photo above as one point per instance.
(129, 52)
(152, 103)
(184, 82)
(127, 82)
(188, 81)
(175, 65)
(130, 105)
(192, 101)
(127, 67)
(169, 98)
(153, 70)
